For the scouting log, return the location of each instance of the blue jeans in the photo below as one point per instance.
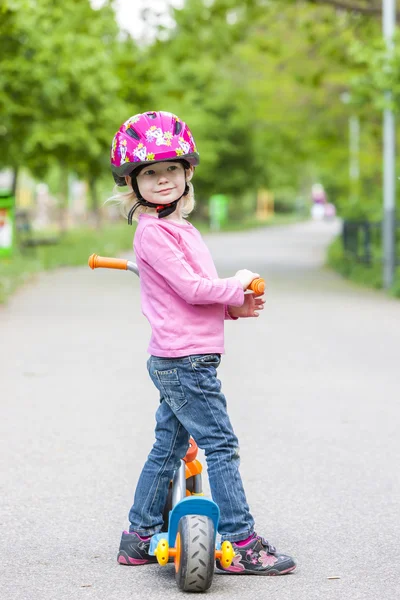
(191, 403)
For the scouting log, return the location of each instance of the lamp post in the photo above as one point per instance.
(389, 191)
(354, 150)
(354, 147)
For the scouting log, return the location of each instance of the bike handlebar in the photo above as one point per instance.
(95, 261)
(257, 285)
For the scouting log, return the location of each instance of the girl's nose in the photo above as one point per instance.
(162, 178)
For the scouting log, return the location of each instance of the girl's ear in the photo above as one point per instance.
(127, 180)
(189, 173)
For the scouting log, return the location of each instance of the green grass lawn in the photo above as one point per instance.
(76, 245)
(74, 248)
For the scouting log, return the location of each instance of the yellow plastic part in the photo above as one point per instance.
(227, 554)
(162, 552)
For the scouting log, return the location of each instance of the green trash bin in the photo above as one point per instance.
(218, 209)
(7, 211)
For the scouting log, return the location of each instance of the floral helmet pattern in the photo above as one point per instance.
(151, 137)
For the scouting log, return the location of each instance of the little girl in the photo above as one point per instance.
(185, 301)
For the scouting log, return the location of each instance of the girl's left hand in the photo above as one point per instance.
(250, 308)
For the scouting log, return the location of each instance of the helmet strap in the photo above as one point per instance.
(162, 210)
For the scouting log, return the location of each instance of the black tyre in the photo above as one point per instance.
(194, 564)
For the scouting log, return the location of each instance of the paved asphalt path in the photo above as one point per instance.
(314, 396)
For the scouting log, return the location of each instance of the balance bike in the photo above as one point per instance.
(190, 520)
(190, 529)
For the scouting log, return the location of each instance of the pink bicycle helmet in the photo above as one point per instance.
(151, 137)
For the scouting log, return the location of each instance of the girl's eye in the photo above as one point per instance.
(149, 172)
(172, 168)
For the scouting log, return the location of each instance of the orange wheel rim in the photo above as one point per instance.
(177, 560)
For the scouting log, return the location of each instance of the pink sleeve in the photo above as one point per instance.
(166, 257)
(228, 316)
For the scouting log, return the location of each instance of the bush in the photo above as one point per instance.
(367, 275)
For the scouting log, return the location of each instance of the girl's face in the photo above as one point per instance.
(163, 182)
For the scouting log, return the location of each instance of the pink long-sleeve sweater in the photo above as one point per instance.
(182, 296)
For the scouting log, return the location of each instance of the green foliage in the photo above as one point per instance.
(59, 90)
(259, 83)
(366, 275)
(379, 73)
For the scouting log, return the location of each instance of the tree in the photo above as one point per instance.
(261, 90)
(60, 91)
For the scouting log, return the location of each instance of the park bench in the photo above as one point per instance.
(27, 237)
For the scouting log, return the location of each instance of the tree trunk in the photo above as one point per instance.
(94, 201)
(14, 181)
(63, 199)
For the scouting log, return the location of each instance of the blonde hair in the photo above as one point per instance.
(126, 200)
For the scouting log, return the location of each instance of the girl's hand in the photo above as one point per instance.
(250, 308)
(245, 277)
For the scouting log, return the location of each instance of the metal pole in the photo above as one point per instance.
(354, 164)
(179, 484)
(354, 151)
(389, 196)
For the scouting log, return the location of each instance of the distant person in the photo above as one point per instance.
(318, 195)
(185, 301)
(318, 198)
(330, 211)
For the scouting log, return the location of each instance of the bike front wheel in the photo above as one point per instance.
(195, 553)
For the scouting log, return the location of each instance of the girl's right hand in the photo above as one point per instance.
(246, 277)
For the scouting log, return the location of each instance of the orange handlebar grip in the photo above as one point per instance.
(257, 286)
(95, 261)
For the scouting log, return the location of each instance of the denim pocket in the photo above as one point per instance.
(171, 388)
(207, 360)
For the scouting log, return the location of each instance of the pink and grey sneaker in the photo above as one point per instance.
(256, 556)
(134, 550)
